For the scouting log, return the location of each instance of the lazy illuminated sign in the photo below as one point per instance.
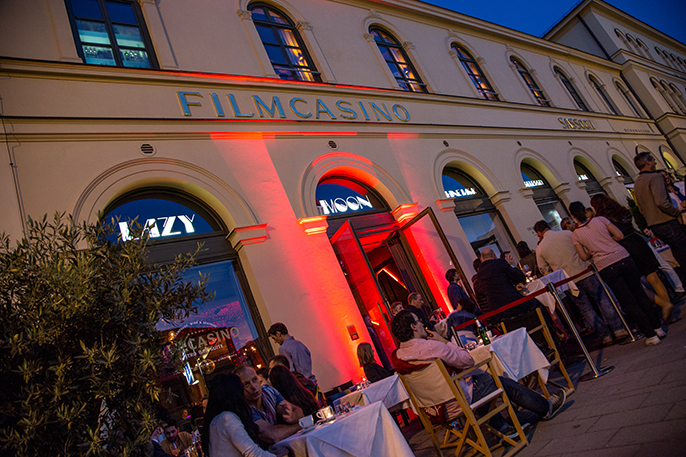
(467, 191)
(296, 107)
(170, 225)
(533, 183)
(342, 205)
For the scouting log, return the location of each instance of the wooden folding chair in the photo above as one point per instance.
(553, 356)
(433, 386)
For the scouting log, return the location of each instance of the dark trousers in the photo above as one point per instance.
(674, 234)
(624, 280)
(534, 406)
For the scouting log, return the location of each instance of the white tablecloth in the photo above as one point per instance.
(517, 355)
(390, 391)
(367, 432)
(547, 299)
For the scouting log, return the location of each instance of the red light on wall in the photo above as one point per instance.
(314, 225)
(352, 331)
(405, 212)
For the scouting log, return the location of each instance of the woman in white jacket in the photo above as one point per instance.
(229, 430)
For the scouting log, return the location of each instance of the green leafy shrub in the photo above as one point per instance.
(80, 357)
(636, 213)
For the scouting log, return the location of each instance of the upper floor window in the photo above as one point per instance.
(531, 84)
(475, 74)
(284, 46)
(571, 89)
(629, 99)
(664, 94)
(397, 61)
(606, 98)
(109, 32)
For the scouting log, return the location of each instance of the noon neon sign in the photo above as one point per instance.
(296, 107)
(343, 205)
(162, 227)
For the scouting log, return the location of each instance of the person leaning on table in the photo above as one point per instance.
(230, 430)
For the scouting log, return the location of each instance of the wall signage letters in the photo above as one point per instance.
(342, 205)
(296, 107)
(575, 124)
(460, 192)
(167, 224)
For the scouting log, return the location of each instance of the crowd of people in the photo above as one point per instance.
(249, 411)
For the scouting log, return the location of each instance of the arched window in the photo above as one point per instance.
(283, 44)
(668, 93)
(530, 82)
(478, 216)
(619, 33)
(396, 58)
(629, 99)
(678, 96)
(661, 90)
(475, 74)
(604, 95)
(544, 195)
(621, 171)
(176, 224)
(584, 175)
(571, 89)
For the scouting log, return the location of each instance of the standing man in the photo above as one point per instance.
(656, 206)
(296, 352)
(556, 252)
(268, 406)
(497, 280)
(420, 308)
(455, 290)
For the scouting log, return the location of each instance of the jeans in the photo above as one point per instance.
(624, 280)
(518, 395)
(591, 287)
(674, 235)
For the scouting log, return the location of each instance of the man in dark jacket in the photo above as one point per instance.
(498, 280)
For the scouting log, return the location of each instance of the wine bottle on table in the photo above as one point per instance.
(481, 331)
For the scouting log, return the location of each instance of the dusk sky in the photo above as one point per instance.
(537, 16)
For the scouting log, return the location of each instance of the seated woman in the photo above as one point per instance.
(372, 370)
(283, 380)
(230, 430)
(466, 311)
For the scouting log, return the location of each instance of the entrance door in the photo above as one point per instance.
(365, 289)
(430, 255)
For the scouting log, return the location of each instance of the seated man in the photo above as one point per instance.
(275, 417)
(175, 442)
(418, 348)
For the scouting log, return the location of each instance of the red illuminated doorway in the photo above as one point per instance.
(384, 269)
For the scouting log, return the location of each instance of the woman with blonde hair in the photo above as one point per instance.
(372, 370)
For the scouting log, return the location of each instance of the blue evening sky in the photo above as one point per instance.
(535, 17)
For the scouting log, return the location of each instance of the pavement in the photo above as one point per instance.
(638, 409)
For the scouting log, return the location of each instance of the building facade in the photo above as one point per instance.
(332, 156)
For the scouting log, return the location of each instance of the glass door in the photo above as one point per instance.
(430, 254)
(365, 289)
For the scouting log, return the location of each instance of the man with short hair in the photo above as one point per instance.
(268, 407)
(418, 348)
(420, 308)
(497, 280)
(655, 204)
(455, 290)
(175, 441)
(556, 252)
(297, 353)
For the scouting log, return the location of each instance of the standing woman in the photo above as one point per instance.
(230, 430)
(596, 238)
(644, 258)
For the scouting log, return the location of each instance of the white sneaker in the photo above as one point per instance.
(653, 341)
(661, 333)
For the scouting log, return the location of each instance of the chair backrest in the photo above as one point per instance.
(429, 386)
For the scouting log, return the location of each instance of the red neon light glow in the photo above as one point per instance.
(314, 225)
(395, 278)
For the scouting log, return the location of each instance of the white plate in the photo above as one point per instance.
(305, 430)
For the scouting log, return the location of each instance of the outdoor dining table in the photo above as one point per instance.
(365, 432)
(516, 355)
(389, 391)
(547, 299)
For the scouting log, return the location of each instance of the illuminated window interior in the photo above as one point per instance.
(476, 75)
(397, 61)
